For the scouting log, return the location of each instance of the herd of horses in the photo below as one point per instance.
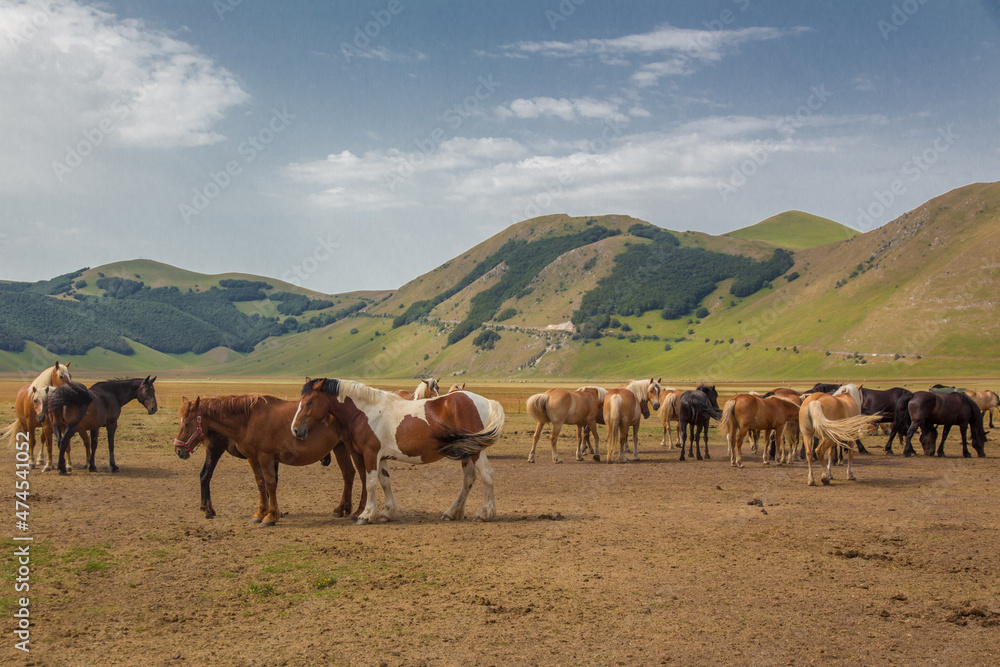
(363, 427)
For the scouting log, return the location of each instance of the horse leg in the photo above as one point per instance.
(347, 472)
(46, 443)
(965, 444)
(371, 484)
(908, 448)
(635, 441)
(267, 465)
(391, 510)
(754, 435)
(705, 431)
(112, 427)
(829, 446)
(488, 511)
(457, 510)
(34, 462)
(681, 437)
(90, 447)
(850, 460)
(736, 455)
(944, 436)
(555, 440)
(861, 447)
(534, 443)
(807, 442)
(63, 446)
(212, 456)
(258, 475)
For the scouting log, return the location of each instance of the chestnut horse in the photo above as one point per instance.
(835, 419)
(26, 420)
(562, 406)
(988, 401)
(256, 425)
(746, 413)
(73, 408)
(669, 399)
(426, 389)
(624, 408)
(383, 426)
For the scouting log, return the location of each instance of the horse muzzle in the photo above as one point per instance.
(182, 453)
(300, 432)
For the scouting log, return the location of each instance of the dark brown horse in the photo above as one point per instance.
(928, 410)
(890, 406)
(257, 425)
(71, 413)
(383, 426)
(694, 410)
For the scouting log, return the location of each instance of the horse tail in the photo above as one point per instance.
(462, 445)
(669, 407)
(537, 407)
(901, 420)
(728, 423)
(72, 395)
(12, 431)
(842, 431)
(613, 405)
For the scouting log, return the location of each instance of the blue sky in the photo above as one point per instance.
(355, 145)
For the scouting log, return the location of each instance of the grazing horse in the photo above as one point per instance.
(382, 426)
(746, 413)
(562, 406)
(26, 420)
(928, 410)
(834, 419)
(988, 401)
(669, 399)
(255, 427)
(890, 406)
(693, 412)
(426, 389)
(624, 408)
(70, 413)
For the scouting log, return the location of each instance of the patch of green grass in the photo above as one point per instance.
(258, 589)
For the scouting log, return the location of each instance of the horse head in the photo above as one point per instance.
(928, 436)
(38, 398)
(146, 395)
(313, 406)
(653, 391)
(60, 373)
(190, 432)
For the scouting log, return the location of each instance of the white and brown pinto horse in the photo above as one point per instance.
(382, 426)
(834, 420)
(426, 389)
(624, 408)
(562, 406)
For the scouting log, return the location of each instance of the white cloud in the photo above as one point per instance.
(565, 109)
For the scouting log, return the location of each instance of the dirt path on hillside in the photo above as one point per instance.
(652, 562)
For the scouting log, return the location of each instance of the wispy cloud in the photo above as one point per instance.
(562, 108)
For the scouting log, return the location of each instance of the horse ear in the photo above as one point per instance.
(197, 402)
(66, 364)
(184, 399)
(153, 380)
(659, 379)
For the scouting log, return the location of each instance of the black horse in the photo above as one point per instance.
(928, 410)
(694, 409)
(819, 387)
(890, 406)
(74, 408)
(216, 445)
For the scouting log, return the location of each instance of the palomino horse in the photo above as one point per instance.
(255, 427)
(624, 408)
(747, 412)
(562, 406)
(928, 410)
(426, 389)
(456, 387)
(669, 398)
(383, 426)
(27, 416)
(599, 394)
(70, 412)
(694, 410)
(835, 420)
(988, 401)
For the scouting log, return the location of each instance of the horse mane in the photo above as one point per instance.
(640, 388)
(351, 389)
(45, 378)
(601, 391)
(426, 389)
(115, 382)
(228, 406)
(852, 391)
(777, 397)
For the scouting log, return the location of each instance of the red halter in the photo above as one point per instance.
(198, 435)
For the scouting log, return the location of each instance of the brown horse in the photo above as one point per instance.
(383, 426)
(426, 389)
(669, 399)
(257, 425)
(746, 413)
(562, 406)
(624, 408)
(835, 420)
(26, 415)
(988, 401)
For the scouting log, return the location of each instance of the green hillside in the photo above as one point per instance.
(795, 230)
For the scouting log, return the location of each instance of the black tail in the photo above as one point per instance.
(71, 395)
(901, 421)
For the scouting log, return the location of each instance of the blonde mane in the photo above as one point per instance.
(640, 389)
(362, 392)
(601, 391)
(47, 377)
(852, 391)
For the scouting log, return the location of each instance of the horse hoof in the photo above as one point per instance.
(266, 524)
(115, 469)
(597, 457)
(531, 460)
(63, 472)
(256, 519)
(92, 469)
(825, 481)
(558, 461)
(362, 521)
(966, 455)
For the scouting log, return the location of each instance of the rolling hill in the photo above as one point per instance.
(914, 298)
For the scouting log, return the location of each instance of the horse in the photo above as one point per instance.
(821, 388)
(383, 426)
(70, 414)
(426, 389)
(599, 394)
(456, 387)
(890, 406)
(624, 407)
(26, 416)
(253, 427)
(988, 401)
(746, 413)
(927, 410)
(694, 409)
(562, 406)
(835, 419)
(669, 398)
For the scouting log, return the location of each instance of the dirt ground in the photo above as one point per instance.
(652, 562)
